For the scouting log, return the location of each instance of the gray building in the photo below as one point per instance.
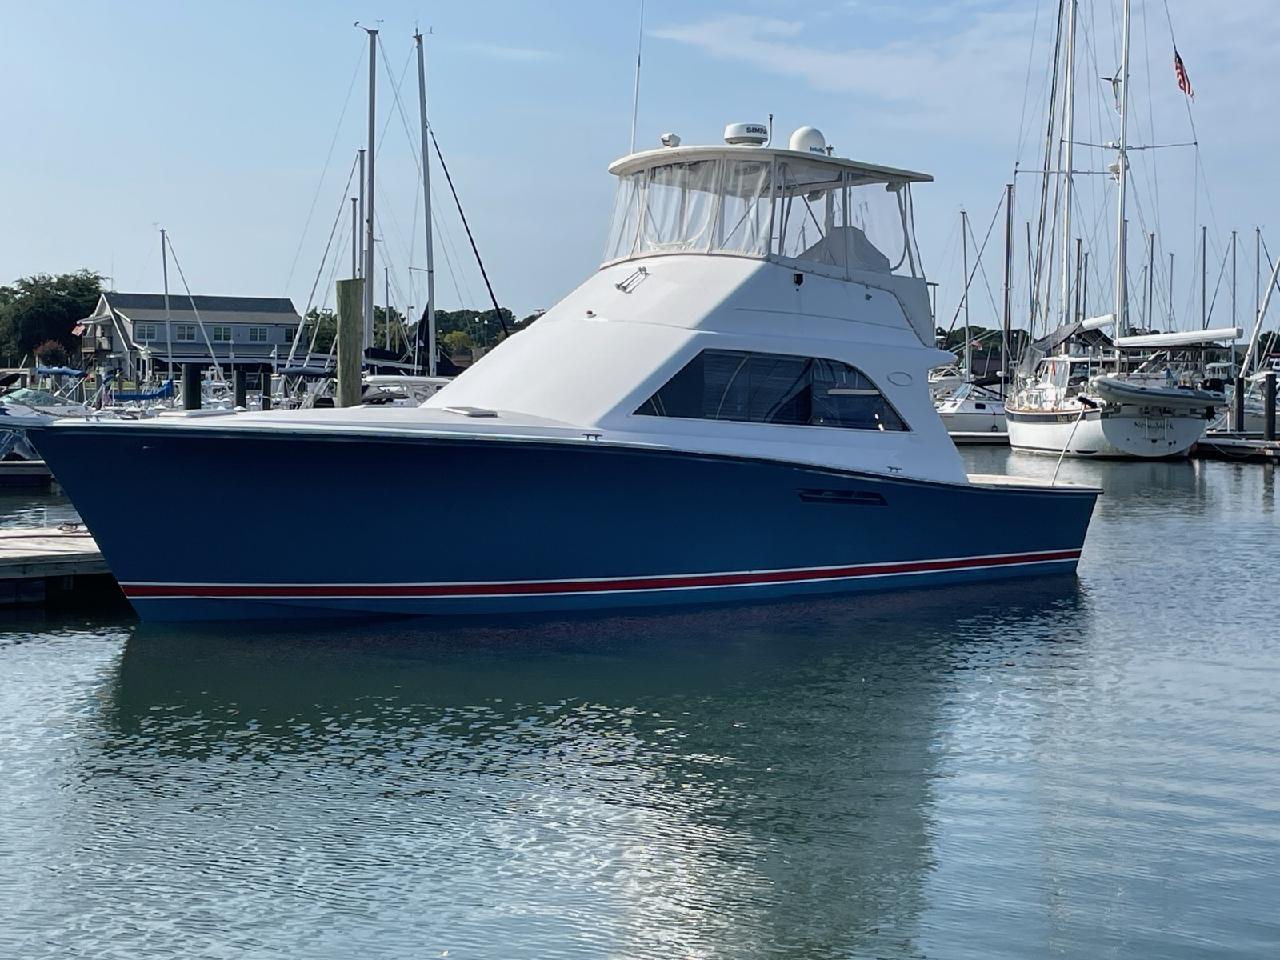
(132, 334)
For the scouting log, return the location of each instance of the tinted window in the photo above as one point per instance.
(773, 388)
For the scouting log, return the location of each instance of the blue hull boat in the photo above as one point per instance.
(465, 526)
(734, 407)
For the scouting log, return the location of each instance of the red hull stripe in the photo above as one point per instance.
(539, 587)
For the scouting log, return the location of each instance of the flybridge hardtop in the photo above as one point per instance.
(735, 406)
(862, 172)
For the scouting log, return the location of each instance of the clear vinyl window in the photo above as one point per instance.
(774, 388)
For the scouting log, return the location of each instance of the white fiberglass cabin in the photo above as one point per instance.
(740, 281)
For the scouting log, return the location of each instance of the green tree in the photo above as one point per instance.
(327, 321)
(473, 328)
(456, 342)
(45, 307)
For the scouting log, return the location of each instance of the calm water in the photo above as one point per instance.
(22, 508)
(1074, 768)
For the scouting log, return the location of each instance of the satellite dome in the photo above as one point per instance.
(809, 140)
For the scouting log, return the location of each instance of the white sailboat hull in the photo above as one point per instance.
(972, 409)
(974, 421)
(1124, 434)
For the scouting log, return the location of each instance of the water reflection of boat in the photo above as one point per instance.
(737, 780)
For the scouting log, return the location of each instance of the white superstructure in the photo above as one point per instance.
(737, 250)
(789, 274)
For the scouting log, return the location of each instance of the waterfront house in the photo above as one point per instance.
(133, 335)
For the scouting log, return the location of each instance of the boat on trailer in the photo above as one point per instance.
(748, 417)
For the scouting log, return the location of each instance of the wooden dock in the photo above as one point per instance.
(59, 564)
(25, 474)
(1237, 447)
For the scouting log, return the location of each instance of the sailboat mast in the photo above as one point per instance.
(1008, 289)
(368, 210)
(1076, 315)
(1233, 278)
(359, 271)
(964, 255)
(355, 238)
(1257, 270)
(1068, 137)
(1121, 291)
(1084, 285)
(1233, 295)
(1204, 278)
(1031, 284)
(1148, 306)
(426, 195)
(168, 319)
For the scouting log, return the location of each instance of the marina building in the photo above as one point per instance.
(133, 334)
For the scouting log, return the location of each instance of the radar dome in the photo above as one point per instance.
(809, 140)
(746, 134)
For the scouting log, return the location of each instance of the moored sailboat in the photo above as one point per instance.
(1093, 402)
(969, 406)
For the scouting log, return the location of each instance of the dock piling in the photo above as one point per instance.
(239, 388)
(350, 341)
(1237, 406)
(1269, 405)
(191, 386)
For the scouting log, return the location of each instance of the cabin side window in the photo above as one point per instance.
(773, 388)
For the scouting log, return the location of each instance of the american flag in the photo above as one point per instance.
(1184, 82)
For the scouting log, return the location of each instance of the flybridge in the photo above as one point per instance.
(866, 172)
(743, 198)
(752, 139)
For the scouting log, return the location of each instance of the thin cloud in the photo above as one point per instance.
(962, 67)
(497, 51)
(939, 81)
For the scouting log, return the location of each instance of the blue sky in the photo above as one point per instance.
(216, 120)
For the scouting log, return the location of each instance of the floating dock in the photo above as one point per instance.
(1238, 447)
(52, 565)
(979, 438)
(25, 474)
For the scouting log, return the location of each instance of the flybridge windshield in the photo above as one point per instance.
(775, 207)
